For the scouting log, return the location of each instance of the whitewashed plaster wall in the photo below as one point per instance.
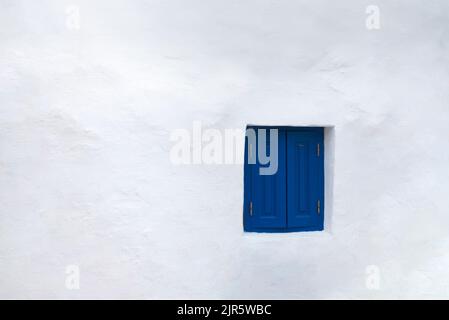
(85, 120)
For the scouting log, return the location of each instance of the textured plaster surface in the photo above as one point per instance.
(85, 120)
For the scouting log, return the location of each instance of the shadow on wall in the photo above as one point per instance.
(329, 167)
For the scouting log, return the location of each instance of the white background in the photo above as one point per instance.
(85, 120)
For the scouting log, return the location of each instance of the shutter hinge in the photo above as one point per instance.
(251, 208)
(318, 207)
(318, 151)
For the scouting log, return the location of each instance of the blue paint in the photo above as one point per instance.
(292, 199)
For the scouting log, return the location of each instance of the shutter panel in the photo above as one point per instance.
(305, 206)
(265, 195)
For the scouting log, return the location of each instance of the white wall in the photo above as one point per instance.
(85, 120)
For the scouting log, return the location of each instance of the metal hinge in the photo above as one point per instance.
(318, 207)
(251, 208)
(318, 151)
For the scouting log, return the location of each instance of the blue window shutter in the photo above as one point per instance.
(305, 207)
(293, 198)
(265, 205)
